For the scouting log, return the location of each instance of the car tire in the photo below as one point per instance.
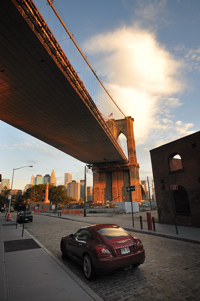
(64, 253)
(88, 267)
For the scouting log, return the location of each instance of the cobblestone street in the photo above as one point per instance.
(171, 270)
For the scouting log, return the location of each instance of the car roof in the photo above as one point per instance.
(100, 226)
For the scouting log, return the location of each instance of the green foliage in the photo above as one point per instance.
(58, 195)
(20, 202)
(4, 197)
(37, 193)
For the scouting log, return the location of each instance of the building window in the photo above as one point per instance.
(175, 162)
(181, 201)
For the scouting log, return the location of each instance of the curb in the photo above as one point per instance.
(137, 230)
(84, 286)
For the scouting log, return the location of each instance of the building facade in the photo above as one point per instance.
(46, 179)
(53, 178)
(67, 179)
(176, 172)
(82, 189)
(38, 180)
(89, 194)
(73, 190)
(4, 183)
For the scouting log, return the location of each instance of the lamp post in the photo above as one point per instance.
(12, 185)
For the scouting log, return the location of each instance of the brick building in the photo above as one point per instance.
(178, 163)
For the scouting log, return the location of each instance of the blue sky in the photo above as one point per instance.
(147, 53)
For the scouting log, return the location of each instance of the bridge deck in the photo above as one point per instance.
(37, 97)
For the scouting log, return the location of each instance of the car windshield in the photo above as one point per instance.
(113, 232)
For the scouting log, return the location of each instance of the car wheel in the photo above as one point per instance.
(64, 253)
(88, 268)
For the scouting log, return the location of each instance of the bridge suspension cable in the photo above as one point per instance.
(50, 2)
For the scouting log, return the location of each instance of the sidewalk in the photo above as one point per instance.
(188, 234)
(29, 272)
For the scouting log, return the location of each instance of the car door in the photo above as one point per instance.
(80, 243)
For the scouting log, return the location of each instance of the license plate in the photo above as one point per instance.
(26, 219)
(125, 251)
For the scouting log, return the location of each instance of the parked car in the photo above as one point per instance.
(102, 248)
(24, 216)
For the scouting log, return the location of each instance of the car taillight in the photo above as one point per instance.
(139, 244)
(102, 250)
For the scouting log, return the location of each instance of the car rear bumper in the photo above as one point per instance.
(109, 264)
(20, 220)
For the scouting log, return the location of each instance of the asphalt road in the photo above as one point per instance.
(171, 270)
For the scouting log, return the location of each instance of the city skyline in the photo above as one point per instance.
(147, 55)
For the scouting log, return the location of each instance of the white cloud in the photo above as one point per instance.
(141, 75)
(193, 59)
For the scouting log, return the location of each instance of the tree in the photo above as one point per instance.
(58, 195)
(4, 197)
(37, 193)
(80, 200)
(20, 202)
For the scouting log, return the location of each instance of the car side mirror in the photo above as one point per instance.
(71, 235)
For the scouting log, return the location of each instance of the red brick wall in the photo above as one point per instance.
(188, 177)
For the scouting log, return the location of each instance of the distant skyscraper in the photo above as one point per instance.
(53, 178)
(73, 190)
(82, 188)
(38, 180)
(32, 180)
(47, 179)
(89, 194)
(4, 183)
(67, 179)
(28, 186)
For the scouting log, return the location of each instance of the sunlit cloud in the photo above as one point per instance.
(141, 75)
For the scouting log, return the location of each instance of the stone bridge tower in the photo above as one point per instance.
(112, 178)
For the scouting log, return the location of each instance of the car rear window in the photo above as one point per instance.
(113, 232)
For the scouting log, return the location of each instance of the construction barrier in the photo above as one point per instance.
(9, 217)
(73, 211)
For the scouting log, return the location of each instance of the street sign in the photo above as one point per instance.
(173, 187)
(130, 188)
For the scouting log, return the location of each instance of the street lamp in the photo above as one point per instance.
(12, 185)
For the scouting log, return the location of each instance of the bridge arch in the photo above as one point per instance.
(122, 140)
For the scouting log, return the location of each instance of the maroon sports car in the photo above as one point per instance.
(102, 248)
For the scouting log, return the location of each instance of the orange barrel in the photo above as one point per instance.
(9, 217)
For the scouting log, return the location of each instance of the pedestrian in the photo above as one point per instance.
(59, 211)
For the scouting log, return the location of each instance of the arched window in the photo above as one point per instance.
(181, 202)
(123, 143)
(175, 162)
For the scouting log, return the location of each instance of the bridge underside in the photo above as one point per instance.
(37, 97)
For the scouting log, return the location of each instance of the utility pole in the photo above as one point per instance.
(149, 193)
(85, 191)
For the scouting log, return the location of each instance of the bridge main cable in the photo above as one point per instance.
(71, 37)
